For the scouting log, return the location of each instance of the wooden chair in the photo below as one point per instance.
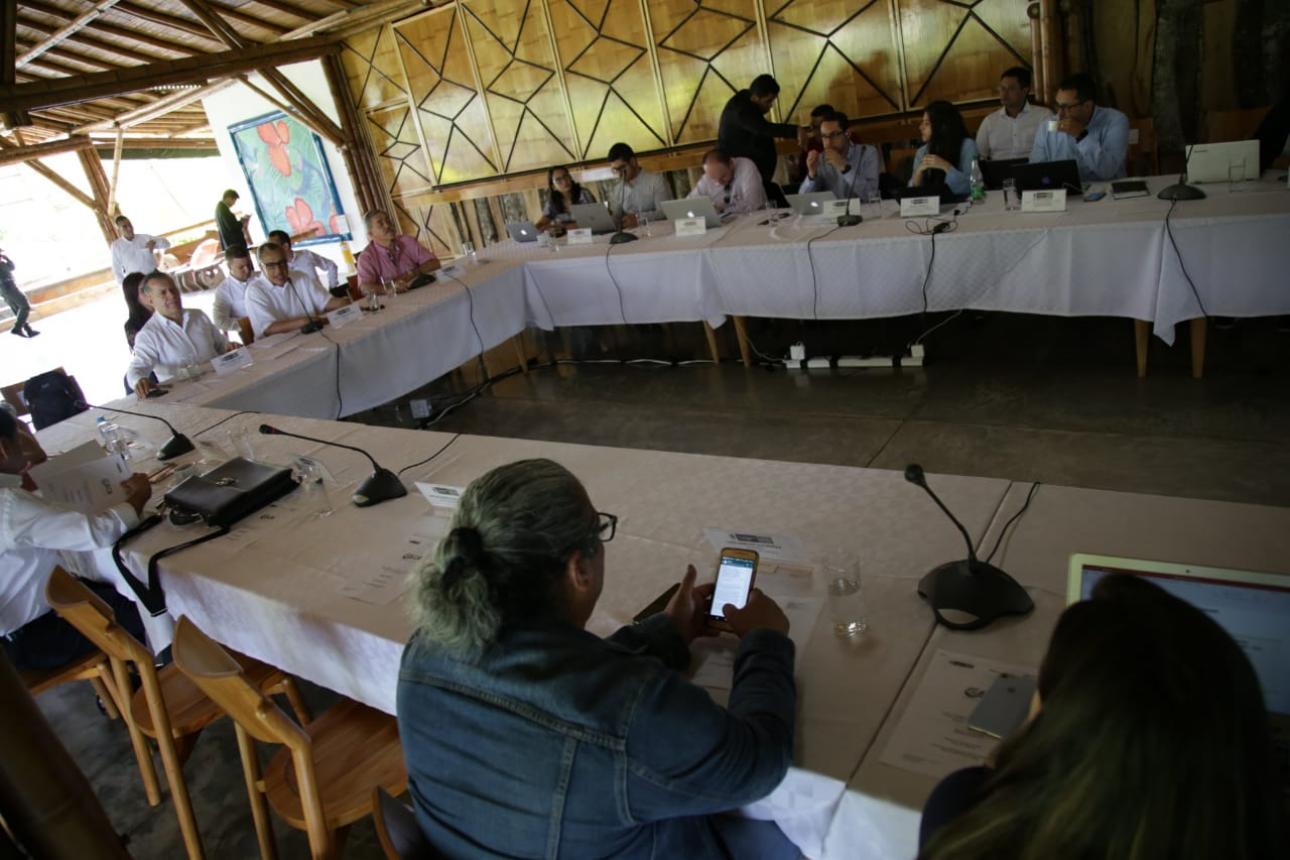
(245, 330)
(167, 707)
(397, 829)
(93, 667)
(323, 780)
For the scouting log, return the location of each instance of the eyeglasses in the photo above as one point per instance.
(606, 526)
(1071, 106)
(833, 134)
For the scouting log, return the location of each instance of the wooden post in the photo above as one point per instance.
(741, 334)
(1040, 86)
(360, 160)
(116, 171)
(1141, 340)
(93, 166)
(1050, 47)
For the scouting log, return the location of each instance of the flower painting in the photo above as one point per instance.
(287, 172)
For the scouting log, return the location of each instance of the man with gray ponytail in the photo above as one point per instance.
(527, 736)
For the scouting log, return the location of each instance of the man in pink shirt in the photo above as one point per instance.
(391, 258)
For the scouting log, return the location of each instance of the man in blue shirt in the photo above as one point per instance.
(846, 168)
(1095, 137)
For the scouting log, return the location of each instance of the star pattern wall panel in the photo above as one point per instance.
(398, 150)
(956, 50)
(372, 65)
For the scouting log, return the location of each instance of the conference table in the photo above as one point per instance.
(318, 587)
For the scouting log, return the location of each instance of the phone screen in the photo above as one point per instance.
(734, 581)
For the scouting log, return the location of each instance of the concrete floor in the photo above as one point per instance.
(1016, 397)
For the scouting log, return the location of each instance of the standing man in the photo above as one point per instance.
(390, 257)
(732, 184)
(15, 298)
(1096, 137)
(171, 338)
(284, 300)
(232, 230)
(307, 262)
(846, 168)
(1010, 131)
(230, 295)
(636, 195)
(745, 132)
(134, 252)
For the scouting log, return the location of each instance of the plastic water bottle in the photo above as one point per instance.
(978, 182)
(112, 439)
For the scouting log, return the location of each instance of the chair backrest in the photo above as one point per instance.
(244, 329)
(1143, 156)
(397, 829)
(94, 619)
(13, 396)
(52, 396)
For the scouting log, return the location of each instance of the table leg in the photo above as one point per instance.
(741, 334)
(1142, 338)
(520, 352)
(1199, 328)
(711, 334)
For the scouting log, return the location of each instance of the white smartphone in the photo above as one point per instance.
(736, 573)
(1004, 706)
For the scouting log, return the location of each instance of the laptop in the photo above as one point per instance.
(1212, 162)
(593, 215)
(809, 204)
(994, 172)
(1049, 176)
(692, 207)
(522, 231)
(1254, 608)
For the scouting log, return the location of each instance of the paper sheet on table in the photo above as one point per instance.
(389, 579)
(85, 478)
(932, 737)
(773, 547)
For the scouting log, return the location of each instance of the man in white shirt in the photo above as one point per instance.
(284, 300)
(1010, 131)
(307, 262)
(171, 338)
(32, 533)
(134, 252)
(732, 184)
(638, 192)
(230, 295)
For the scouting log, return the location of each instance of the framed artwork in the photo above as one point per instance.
(290, 181)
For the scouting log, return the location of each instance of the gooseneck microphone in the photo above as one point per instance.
(178, 444)
(622, 235)
(976, 591)
(1180, 190)
(381, 486)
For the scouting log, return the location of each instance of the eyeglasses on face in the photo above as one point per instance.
(831, 135)
(606, 526)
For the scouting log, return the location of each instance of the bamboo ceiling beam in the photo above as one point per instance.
(199, 69)
(8, 40)
(290, 111)
(156, 16)
(116, 170)
(84, 38)
(54, 54)
(239, 15)
(73, 26)
(352, 20)
(13, 154)
(102, 26)
(160, 107)
(287, 9)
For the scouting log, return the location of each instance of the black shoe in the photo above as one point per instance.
(31, 332)
(17, 332)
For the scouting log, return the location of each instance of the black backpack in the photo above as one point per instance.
(51, 397)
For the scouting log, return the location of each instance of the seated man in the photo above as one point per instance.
(732, 184)
(171, 338)
(1096, 137)
(230, 295)
(134, 252)
(846, 168)
(32, 532)
(391, 260)
(1010, 131)
(283, 300)
(636, 195)
(306, 261)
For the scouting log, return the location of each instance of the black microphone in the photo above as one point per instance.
(381, 486)
(622, 235)
(849, 220)
(313, 325)
(976, 591)
(1180, 190)
(178, 444)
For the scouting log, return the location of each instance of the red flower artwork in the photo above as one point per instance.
(334, 225)
(276, 136)
(301, 219)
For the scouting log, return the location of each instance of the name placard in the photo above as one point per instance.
(343, 316)
(231, 361)
(691, 226)
(834, 208)
(1044, 201)
(441, 495)
(914, 207)
(580, 236)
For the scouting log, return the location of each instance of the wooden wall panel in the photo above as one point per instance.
(372, 66)
(956, 52)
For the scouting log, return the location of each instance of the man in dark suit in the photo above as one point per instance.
(745, 132)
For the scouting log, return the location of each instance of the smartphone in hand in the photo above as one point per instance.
(736, 573)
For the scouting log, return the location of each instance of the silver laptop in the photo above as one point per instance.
(692, 207)
(593, 215)
(809, 204)
(1214, 162)
(522, 231)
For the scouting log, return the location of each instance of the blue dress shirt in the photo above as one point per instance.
(1100, 155)
(860, 181)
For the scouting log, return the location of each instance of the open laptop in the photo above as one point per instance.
(1049, 176)
(1212, 162)
(595, 216)
(809, 204)
(997, 170)
(692, 207)
(522, 231)
(1254, 608)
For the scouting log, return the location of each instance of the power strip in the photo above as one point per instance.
(820, 363)
(871, 361)
(914, 358)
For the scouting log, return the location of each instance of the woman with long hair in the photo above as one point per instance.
(139, 311)
(527, 736)
(1150, 742)
(946, 148)
(563, 193)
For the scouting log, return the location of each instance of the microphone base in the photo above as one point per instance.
(178, 445)
(622, 236)
(1181, 191)
(976, 589)
(849, 220)
(381, 486)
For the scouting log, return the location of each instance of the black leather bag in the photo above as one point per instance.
(231, 492)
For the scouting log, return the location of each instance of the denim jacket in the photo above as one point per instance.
(555, 743)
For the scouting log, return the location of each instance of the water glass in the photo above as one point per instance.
(1011, 197)
(391, 291)
(646, 230)
(1235, 174)
(313, 488)
(845, 599)
(373, 300)
(468, 250)
(240, 443)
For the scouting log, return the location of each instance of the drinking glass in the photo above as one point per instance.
(468, 250)
(845, 599)
(240, 443)
(1235, 175)
(313, 488)
(391, 292)
(1011, 197)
